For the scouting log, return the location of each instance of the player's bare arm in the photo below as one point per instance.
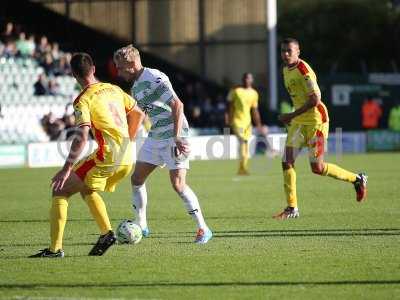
(314, 100)
(255, 114)
(78, 143)
(135, 118)
(177, 114)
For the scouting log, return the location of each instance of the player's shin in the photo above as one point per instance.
(99, 211)
(58, 218)
(193, 207)
(289, 184)
(244, 156)
(139, 203)
(337, 172)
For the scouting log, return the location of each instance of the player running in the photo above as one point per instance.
(242, 107)
(114, 119)
(166, 143)
(308, 126)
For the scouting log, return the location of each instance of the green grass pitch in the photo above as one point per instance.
(337, 249)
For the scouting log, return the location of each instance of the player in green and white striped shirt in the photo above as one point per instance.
(166, 143)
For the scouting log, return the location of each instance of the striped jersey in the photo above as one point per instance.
(301, 82)
(153, 92)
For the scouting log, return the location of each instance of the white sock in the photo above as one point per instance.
(139, 203)
(193, 207)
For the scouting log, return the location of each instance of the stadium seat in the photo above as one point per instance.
(21, 110)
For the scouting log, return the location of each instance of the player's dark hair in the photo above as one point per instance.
(245, 75)
(81, 64)
(288, 41)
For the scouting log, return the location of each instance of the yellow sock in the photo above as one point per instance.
(58, 218)
(244, 156)
(289, 184)
(337, 172)
(99, 211)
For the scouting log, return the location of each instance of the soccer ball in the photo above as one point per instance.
(128, 232)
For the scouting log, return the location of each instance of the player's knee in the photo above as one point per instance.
(317, 169)
(178, 186)
(136, 179)
(60, 193)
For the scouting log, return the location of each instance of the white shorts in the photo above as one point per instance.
(162, 152)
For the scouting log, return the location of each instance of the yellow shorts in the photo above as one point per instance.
(314, 137)
(100, 178)
(243, 133)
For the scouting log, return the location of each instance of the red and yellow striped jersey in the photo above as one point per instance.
(103, 107)
(301, 82)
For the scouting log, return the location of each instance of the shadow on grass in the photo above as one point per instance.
(309, 232)
(44, 245)
(198, 284)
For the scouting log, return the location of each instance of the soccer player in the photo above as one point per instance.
(242, 107)
(166, 143)
(308, 126)
(114, 119)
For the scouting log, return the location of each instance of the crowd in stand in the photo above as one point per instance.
(16, 43)
(59, 128)
(201, 108)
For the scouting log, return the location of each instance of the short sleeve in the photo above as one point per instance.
(254, 104)
(310, 84)
(165, 91)
(82, 112)
(129, 102)
(230, 95)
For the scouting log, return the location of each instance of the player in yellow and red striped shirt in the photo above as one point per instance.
(308, 126)
(114, 119)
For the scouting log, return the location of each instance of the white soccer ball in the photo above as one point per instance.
(129, 233)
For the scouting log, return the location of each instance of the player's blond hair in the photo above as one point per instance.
(127, 54)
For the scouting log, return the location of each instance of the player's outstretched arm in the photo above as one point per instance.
(77, 146)
(135, 118)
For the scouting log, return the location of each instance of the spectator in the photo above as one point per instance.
(62, 67)
(8, 35)
(52, 126)
(55, 51)
(394, 117)
(48, 64)
(23, 46)
(42, 48)
(40, 86)
(10, 49)
(53, 88)
(371, 112)
(31, 44)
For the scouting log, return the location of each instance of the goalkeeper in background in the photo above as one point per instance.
(242, 108)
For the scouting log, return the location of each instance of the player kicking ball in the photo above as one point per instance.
(166, 143)
(308, 126)
(114, 119)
